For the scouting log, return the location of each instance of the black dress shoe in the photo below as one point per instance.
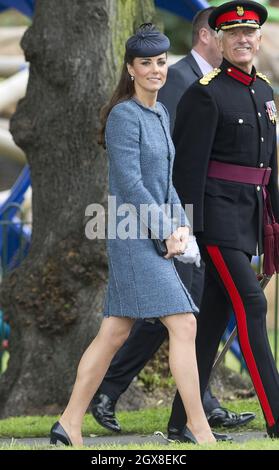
(223, 417)
(103, 410)
(58, 433)
(273, 431)
(187, 436)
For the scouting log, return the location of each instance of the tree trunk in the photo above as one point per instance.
(54, 300)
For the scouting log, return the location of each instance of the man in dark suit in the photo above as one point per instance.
(146, 338)
(203, 57)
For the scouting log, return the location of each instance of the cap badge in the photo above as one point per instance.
(240, 11)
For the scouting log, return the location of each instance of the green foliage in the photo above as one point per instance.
(151, 381)
(13, 18)
(156, 373)
(178, 30)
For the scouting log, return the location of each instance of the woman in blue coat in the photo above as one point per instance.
(141, 284)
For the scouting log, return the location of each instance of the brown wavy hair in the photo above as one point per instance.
(124, 91)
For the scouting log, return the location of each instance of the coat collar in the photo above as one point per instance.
(238, 74)
(153, 109)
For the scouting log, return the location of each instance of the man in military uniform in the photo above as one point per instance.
(228, 171)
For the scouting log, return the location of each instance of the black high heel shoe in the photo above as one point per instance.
(189, 436)
(58, 433)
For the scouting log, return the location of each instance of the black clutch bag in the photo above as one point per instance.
(160, 246)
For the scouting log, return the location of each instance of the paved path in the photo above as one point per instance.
(123, 439)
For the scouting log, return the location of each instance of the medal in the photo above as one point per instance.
(271, 110)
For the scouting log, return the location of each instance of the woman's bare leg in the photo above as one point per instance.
(183, 366)
(91, 371)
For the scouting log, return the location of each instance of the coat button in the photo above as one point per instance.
(240, 121)
(253, 91)
(262, 139)
(259, 114)
(261, 165)
(258, 188)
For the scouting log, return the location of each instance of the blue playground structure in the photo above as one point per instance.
(185, 8)
(26, 7)
(14, 237)
(11, 228)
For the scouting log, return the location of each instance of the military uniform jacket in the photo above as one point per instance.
(226, 116)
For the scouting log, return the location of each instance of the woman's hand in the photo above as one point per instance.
(177, 242)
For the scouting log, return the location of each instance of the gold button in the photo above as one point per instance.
(229, 70)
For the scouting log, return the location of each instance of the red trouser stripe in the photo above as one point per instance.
(239, 310)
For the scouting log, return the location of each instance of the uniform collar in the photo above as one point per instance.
(238, 74)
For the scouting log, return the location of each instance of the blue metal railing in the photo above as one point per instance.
(15, 236)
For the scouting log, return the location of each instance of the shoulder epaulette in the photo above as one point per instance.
(263, 77)
(206, 79)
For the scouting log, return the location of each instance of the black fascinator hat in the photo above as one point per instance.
(147, 42)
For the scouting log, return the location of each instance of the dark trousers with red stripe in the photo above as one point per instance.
(231, 283)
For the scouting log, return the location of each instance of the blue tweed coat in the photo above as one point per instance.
(141, 283)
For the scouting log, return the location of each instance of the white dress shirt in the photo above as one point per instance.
(202, 63)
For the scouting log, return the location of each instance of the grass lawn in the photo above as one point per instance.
(143, 422)
(259, 444)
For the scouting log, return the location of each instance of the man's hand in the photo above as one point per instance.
(177, 242)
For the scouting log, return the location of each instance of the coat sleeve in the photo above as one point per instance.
(178, 214)
(273, 182)
(123, 147)
(195, 127)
